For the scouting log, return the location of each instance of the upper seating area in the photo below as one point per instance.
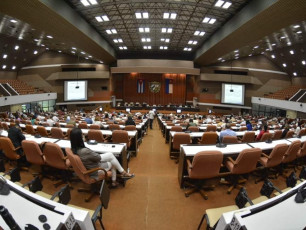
(284, 94)
(16, 87)
(300, 96)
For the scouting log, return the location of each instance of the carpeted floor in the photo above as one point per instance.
(153, 199)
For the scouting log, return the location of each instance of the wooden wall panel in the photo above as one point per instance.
(126, 88)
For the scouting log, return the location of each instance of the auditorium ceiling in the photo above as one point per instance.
(205, 31)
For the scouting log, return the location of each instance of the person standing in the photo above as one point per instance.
(151, 117)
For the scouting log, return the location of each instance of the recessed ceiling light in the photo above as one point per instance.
(4, 67)
(82, 52)
(166, 30)
(236, 51)
(49, 36)
(85, 2)
(141, 15)
(289, 43)
(295, 74)
(88, 2)
(59, 51)
(273, 56)
(99, 19)
(187, 49)
(101, 62)
(219, 3)
(147, 47)
(304, 62)
(219, 59)
(223, 4)
(93, 2)
(209, 20)
(4, 56)
(291, 51)
(274, 44)
(299, 32)
(199, 33)
(86, 57)
(296, 26)
(111, 31)
(73, 52)
(284, 64)
(163, 47)
(13, 21)
(169, 15)
(35, 52)
(144, 29)
(13, 67)
(73, 48)
(227, 5)
(255, 47)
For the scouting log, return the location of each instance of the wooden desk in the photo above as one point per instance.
(25, 207)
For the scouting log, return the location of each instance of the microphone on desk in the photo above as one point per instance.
(8, 218)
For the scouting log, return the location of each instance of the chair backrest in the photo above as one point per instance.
(130, 127)
(243, 128)
(230, 140)
(69, 126)
(302, 152)
(33, 152)
(179, 139)
(248, 137)
(176, 128)
(276, 156)
(30, 129)
(97, 127)
(277, 134)
(95, 135)
(57, 133)
(78, 167)
(8, 148)
(193, 129)
(83, 125)
(5, 126)
(54, 156)
(120, 136)
(302, 132)
(68, 133)
(246, 161)
(206, 164)
(42, 131)
(266, 136)
(289, 134)
(292, 151)
(209, 138)
(113, 127)
(211, 128)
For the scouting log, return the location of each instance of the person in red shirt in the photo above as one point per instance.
(264, 129)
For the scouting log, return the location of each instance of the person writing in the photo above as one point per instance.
(92, 159)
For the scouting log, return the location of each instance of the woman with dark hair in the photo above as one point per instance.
(130, 121)
(92, 159)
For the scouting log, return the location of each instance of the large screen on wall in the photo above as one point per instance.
(232, 94)
(75, 90)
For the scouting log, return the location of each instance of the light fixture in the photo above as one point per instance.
(35, 52)
(122, 47)
(273, 56)
(111, 31)
(284, 64)
(89, 2)
(294, 74)
(169, 15)
(299, 32)
(187, 49)
(4, 56)
(291, 51)
(49, 36)
(223, 4)
(146, 39)
(199, 33)
(163, 47)
(191, 42)
(13, 67)
(13, 20)
(167, 40)
(144, 29)
(303, 62)
(102, 18)
(209, 20)
(147, 47)
(16, 47)
(4, 67)
(166, 30)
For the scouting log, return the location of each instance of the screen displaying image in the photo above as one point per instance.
(75, 90)
(178, 111)
(232, 94)
(128, 110)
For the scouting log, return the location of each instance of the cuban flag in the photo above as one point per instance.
(140, 86)
(169, 86)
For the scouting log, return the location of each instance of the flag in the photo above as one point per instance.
(169, 86)
(140, 86)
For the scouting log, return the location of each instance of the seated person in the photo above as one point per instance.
(130, 121)
(227, 132)
(285, 131)
(264, 129)
(249, 125)
(88, 119)
(191, 123)
(92, 159)
(16, 136)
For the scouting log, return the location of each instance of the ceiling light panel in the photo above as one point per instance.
(102, 18)
(144, 29)
(169, 15)
(142, 15)
(223, 4)
(209, 20)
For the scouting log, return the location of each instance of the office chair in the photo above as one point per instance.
(83, 125)
(57, 133)
(274, 159)
(301, 154)
(266, 136)
(55, 158)
(248, 137)
(113, 127)
(193, 129)
(243, 128)
(68, 133)
(289, 134)
(41, 130)
(277, 135)
(71, 126)
(302, 132)
(95, 135)
(290, 155)
(84, 174)
(5, 126)
(178, 140)
(130, 128)
(230, 140)
(30, 130)
(211, 128)
(209, 138)
(205, 165)
(245, 163)
(96, 127)
(121, 136)
(176, 128)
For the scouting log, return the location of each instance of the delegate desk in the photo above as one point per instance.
(26, 207)
(277, 213)
(189, 151)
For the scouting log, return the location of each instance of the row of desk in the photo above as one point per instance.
(189, 151)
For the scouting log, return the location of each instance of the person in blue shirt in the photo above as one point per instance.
(249, 125)
(227, 132)
(88, 119)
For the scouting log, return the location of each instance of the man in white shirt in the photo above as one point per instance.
(151, 117)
